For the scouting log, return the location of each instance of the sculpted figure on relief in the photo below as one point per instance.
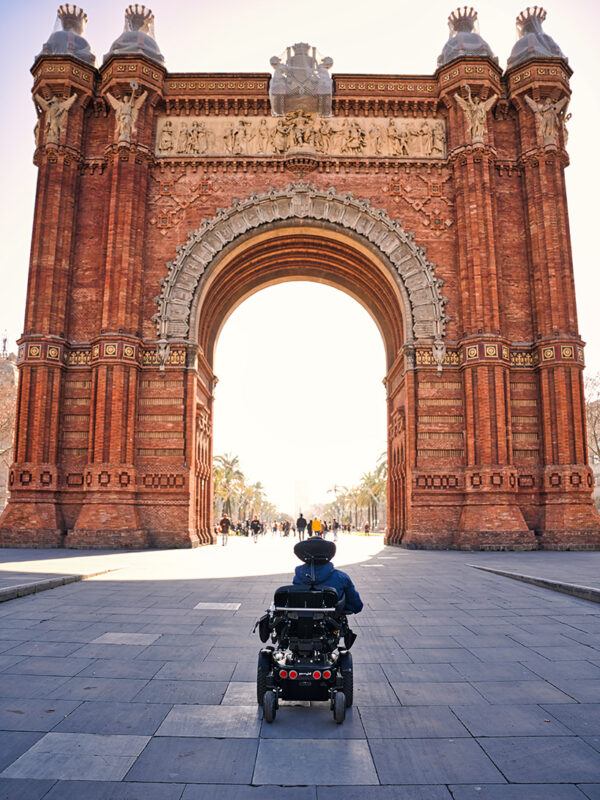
(300, 130)
(475, 112)
(547, 116)
(55, 111)
(126, 112)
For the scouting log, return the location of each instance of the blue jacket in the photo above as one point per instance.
(328, 575)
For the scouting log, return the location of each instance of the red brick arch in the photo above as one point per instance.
(367, 254)
(299, 252)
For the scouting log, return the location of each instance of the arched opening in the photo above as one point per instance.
(303, 233)
(302, 252)
(286, 253)
(301, 402)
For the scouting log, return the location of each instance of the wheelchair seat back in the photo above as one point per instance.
(305, 598)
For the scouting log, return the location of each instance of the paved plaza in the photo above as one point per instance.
(139, 683)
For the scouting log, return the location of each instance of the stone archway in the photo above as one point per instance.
(297, 204)
(302, 233)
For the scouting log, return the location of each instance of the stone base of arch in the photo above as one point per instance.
(26, 522)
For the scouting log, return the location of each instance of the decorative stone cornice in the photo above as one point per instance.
(426, 320)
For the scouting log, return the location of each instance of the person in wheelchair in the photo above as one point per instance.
(306, 623)
(320, 572)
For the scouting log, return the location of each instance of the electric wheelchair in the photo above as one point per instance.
(305, 660)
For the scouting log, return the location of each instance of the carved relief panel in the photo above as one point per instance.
(300, 131)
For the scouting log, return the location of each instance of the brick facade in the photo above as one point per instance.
(487, 443)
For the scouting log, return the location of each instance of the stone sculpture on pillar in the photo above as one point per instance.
(548, 117)
(475, 112)
(126, 112)
(55, 112)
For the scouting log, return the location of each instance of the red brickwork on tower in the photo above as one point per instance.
(485, 396)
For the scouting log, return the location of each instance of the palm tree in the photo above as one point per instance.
(231, 478)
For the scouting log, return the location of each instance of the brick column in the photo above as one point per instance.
(491, 516)
(109, 514)
(33, 516)
(569, 518)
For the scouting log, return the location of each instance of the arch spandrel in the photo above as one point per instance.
(423, 306)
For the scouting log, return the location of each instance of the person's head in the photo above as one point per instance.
(255, 516)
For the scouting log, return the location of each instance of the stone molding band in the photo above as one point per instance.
(424, 302)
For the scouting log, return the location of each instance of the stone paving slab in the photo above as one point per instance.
(383, 793)
(591, 790)
(33, 715)
(529, 792)
(194, 760)
(70, 756)
(534, 759)
(468, 684)
(437, 761)
(13, 788)
(139, 719)
(298, 761)
(108, 790)
(212, 721)
(14, 743)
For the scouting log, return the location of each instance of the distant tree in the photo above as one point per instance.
(592, 416)
(230, 476)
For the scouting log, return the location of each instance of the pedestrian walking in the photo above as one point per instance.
(335, 526)
(225, 526)
(301, 526)
(255, 527)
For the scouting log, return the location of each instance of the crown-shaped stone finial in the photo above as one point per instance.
(532, 41)
(72, 18)
(530, 20)
(139, 18)
(463, 20)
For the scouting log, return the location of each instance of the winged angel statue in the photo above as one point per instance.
(547, 115)
(56, 113)
(126, 112)
(475, 112)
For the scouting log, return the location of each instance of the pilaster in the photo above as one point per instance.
(62, 89)
(539, 91)
(130, 87)
(491, 517)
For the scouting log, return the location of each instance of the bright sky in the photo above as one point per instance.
(280, 442)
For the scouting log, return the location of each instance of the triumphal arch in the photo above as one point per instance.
(436, 201)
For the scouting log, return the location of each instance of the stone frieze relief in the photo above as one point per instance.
(300, 132)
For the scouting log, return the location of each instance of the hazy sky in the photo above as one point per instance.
(315, 408)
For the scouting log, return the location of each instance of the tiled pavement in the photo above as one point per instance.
(469, 685)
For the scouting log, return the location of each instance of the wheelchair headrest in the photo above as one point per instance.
(315, 549)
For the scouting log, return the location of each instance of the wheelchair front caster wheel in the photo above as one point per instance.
(339, 707)
(269, 706)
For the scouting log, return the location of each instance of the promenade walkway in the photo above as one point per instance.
(139, 683)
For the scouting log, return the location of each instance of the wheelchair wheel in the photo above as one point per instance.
(262, 672)
(347, 677)
(269, 706)
(339, 707)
